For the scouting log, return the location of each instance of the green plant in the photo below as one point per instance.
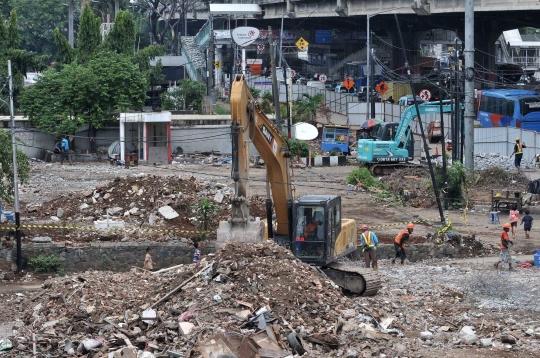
(363, 176)
(206, 215)
(44, 263)
(267, 103)
(333, 153)
(255, 92)
(298, 147)
(220, 110)
(456, 174)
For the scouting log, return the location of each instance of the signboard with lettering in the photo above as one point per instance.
(245, 35)
(323, 36)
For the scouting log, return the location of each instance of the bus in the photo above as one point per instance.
(509, 108)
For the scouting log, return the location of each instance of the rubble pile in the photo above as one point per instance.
(139, 200)
(260, 298)
(413, 185)
(492, 160)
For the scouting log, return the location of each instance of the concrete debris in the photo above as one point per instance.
(42, 239)
(168, 212)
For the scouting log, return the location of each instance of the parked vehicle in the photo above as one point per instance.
(509, 108)
(408, 100)
(341, 89)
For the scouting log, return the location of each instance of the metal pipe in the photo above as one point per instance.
(368, 67)
(275, 86)
(443, 151)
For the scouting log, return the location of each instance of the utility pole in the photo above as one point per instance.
(368, 67)
(116, 7)
(275, 88)
(71, 37)
(469, 85)
(443, 151)
(371, 93)
(15, 175)
(210, 62)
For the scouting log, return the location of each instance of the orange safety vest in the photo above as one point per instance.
(519, 148)
(504, 237)
(400, 235)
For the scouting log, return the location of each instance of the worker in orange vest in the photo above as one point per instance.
(369, 242)
(399, 243)
(504, 255)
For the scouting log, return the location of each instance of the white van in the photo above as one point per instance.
(316, 84)
(408, 100)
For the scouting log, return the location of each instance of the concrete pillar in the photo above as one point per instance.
(122, 136)
(486, 33)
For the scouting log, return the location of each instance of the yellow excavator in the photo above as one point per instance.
(310, 226)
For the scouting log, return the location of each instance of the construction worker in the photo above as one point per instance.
(399, 243)
(518, 151)
(369, 242)
(504, 256)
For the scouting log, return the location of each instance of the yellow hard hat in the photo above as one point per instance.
(517, 139)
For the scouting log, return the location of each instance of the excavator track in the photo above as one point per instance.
(359, 280)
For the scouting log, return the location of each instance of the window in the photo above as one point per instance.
(309, 234)
(496, 105)
(529, 105)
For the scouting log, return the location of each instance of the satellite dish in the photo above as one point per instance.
(304, 131)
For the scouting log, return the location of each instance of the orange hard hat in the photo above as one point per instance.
(410, 226)
(506, 226)
(364, 227)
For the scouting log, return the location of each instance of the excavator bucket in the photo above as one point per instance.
(250, 232)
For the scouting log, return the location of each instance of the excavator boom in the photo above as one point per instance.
(250, 125)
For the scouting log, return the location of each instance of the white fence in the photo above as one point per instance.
(392, 113)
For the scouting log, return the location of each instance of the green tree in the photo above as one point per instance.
(37, 20)
(190, 91)
(66, 53)
(13, 37)
(305, 107)
(121, 38)
(6, 166)
(142, 60)
(62, 101)
(89, 35)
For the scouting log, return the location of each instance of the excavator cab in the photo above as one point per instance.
(317, 229)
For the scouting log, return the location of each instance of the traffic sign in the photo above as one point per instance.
(238, 63)
(382, 88)
(302, 44)
(260, 47)
(425, 95)
(348, 83)
(293, 73)
(323, 78)
(217, 64)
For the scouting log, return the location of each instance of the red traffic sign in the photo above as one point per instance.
(293, 73)
(425, 95)
(348, 83)
(323, 78)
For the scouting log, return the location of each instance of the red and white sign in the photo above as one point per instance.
(293, 73)
(323, 78)
(245, 35)
(425, 95)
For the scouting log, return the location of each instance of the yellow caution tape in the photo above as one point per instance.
(91, 228)
(402, 223)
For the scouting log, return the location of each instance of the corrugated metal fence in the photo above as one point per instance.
(502, 140)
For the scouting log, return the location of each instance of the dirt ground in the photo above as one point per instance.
(52, 186)
(418, 288)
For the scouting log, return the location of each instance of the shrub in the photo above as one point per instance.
(455, 176)
(44, 263)
(363, 176)
(298, 147)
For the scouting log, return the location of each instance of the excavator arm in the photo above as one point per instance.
(250, 125)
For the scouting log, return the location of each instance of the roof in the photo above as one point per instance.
(509, 93)
(316, 199)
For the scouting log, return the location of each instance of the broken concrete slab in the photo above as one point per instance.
(168, 213)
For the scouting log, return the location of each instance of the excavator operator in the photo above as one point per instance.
(399, 243)
(311, 228)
